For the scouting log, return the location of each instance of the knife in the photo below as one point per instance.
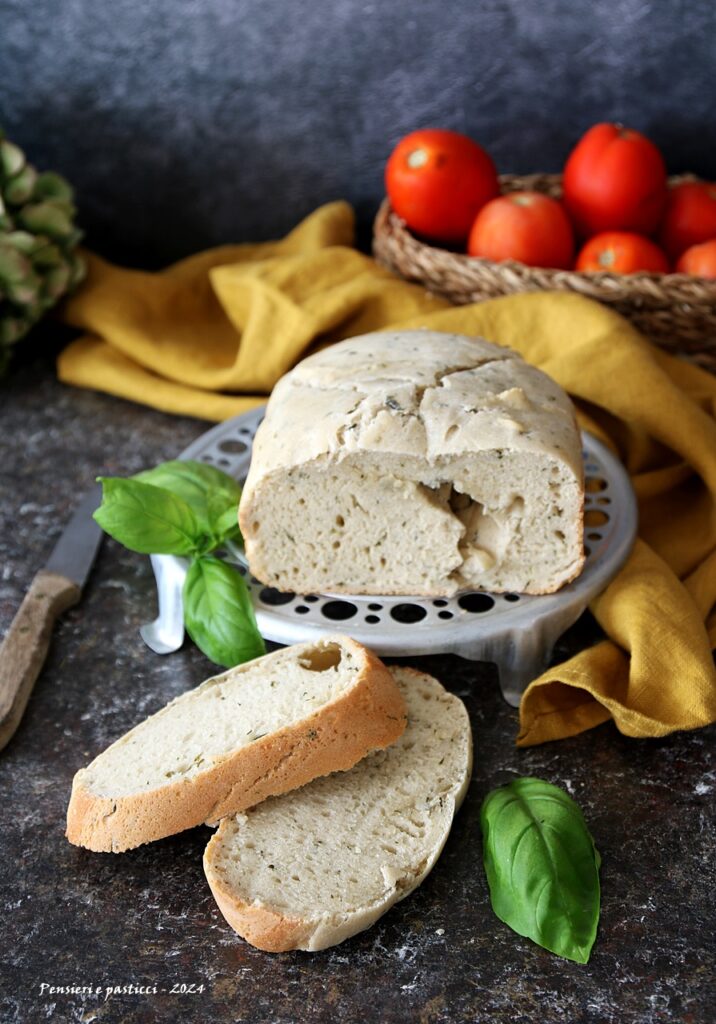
(54, 589)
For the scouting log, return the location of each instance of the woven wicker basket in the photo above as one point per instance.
(678, 311)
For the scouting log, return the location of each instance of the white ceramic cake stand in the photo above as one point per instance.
(515, 632)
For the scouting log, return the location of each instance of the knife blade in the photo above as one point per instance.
(55, 588)
(74, 553)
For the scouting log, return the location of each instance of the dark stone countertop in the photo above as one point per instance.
(146, 918)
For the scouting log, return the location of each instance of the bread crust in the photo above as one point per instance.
(274, 932)
(264, 928)
(327, 411)
(369, 716)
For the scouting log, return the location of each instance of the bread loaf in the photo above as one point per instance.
(263, 728)
(311, 868)
(415, 462)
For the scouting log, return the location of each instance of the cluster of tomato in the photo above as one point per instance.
(615, 200)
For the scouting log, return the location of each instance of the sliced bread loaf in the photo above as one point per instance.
(309, 869)
(415, 462)
(257, 730)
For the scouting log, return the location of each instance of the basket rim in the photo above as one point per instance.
(387, 219)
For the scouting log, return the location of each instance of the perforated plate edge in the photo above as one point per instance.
(517, 633)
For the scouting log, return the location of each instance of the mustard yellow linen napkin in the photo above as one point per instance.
(210, 336)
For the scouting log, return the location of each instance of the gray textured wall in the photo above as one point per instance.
(185, 123)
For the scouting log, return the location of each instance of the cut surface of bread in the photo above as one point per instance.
(311, 868)
(262, 728)
(415, 462)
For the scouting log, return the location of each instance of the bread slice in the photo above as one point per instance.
(415, 462)
(263, 728)
(309, 869)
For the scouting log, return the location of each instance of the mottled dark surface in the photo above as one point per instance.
(186, 123)
(73, 918)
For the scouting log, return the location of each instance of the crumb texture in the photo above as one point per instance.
(259, 730)
(225, 714)
(330, 858)
(415, 462)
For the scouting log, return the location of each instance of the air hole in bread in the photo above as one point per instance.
(322, 658)
(459, 502)
(516, 507)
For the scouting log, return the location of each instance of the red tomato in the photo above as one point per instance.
(699, 259)
(622, 252)
(437, 180)
(690, 217)
(525, 226)
(614, 180)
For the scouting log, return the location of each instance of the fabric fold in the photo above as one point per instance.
(211, 335)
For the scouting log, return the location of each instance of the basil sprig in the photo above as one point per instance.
(189, 509)
(542, 866)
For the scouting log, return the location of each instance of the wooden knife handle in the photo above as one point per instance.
(24, 649)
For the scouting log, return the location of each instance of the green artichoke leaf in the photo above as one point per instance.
(12, 159)
(53, 186)
(46, 218)
(18, 280)
(23, 241)
(14, 265)
(20, 188)
(47, 255)
(56, 283)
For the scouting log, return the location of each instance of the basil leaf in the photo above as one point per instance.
(542, 866)
(214, 496)
(148, 519)
(225, 524)
(218, 613)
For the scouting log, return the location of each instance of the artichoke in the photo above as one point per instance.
(38, 238)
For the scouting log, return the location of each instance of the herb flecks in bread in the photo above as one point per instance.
(263, 728)
(310, 869)
(415, 462)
